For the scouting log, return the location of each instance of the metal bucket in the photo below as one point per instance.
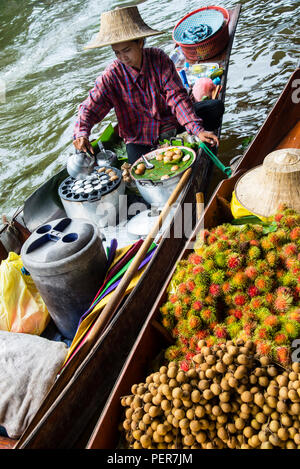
(158, 192)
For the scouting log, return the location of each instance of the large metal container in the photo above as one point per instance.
(101, 206)
(156, 192)
(67, 263)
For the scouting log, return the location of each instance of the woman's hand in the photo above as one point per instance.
(208, 137)
(83, 144)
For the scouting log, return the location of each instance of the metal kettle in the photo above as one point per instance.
(105, 157)
(80, 164)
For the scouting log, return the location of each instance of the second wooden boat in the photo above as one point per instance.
(280, 130)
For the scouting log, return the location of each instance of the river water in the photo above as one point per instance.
(45, 74)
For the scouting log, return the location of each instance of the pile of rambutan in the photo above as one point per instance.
(240, 282)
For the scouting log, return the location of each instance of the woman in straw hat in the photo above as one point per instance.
(145, 90)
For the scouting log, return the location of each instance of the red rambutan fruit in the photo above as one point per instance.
(220, 332)
(271, 320)
(253, 291)
(234, 261)
(238, 314)
(198, 270)
(186, 300)
(239, 299)
(197, 305)
(173, 298)
(280, 338)
(251, 272)
(173, 353)
(190, 284)
(282, 354)
(254, 253)
(289, 249)
(263, 347)
(295, 233)
(263, 283)
(226, 287)
(182, 288)
(195, 259)
(208, 315)
(282, 303)
(193, 321)
(178, 311)
(202, 334)
(184, 365)
(215, 290)
(294, 314)
(239, 279)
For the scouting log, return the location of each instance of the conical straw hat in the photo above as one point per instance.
(121, 25)
(277, 181)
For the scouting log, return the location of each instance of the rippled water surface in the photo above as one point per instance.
(45, 74)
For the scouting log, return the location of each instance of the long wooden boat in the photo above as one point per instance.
(280, 130)
(71, 408)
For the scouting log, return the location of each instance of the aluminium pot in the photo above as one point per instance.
(158, 192)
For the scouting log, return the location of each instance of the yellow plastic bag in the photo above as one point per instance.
(238, 211)
(22, 309)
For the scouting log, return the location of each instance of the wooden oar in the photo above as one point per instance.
(109, 310)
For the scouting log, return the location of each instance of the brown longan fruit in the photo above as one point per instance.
(199, 411)
(201, 437)
(226, 407)
(177, 393)
(177, 403)
(154, 411)
(266, 445)
(145, 441)
(240, 372)
(274, 440)
(263, 381)
(184, 423)
(239, 423)
(293, 395)
(195, 396)
(281, 407)
(203, 384)
(190, 413)
(296, 367)
(282, 380)
(247, 396)
(259, 399)
(224, 397)
(242, 359)
(286, 420)
(220, 367)
(208, 394)
(179, 414)
(283, 434)
(195, 426)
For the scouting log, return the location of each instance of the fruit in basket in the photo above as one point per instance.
(230, 398)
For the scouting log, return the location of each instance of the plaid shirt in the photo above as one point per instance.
(146, 102)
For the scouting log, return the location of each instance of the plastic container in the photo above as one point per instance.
(210, 46)
(67, 263)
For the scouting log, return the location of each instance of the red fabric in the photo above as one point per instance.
(146, 102)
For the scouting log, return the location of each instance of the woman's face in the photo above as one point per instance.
(130, 53)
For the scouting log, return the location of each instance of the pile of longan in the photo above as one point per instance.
(231, 398)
